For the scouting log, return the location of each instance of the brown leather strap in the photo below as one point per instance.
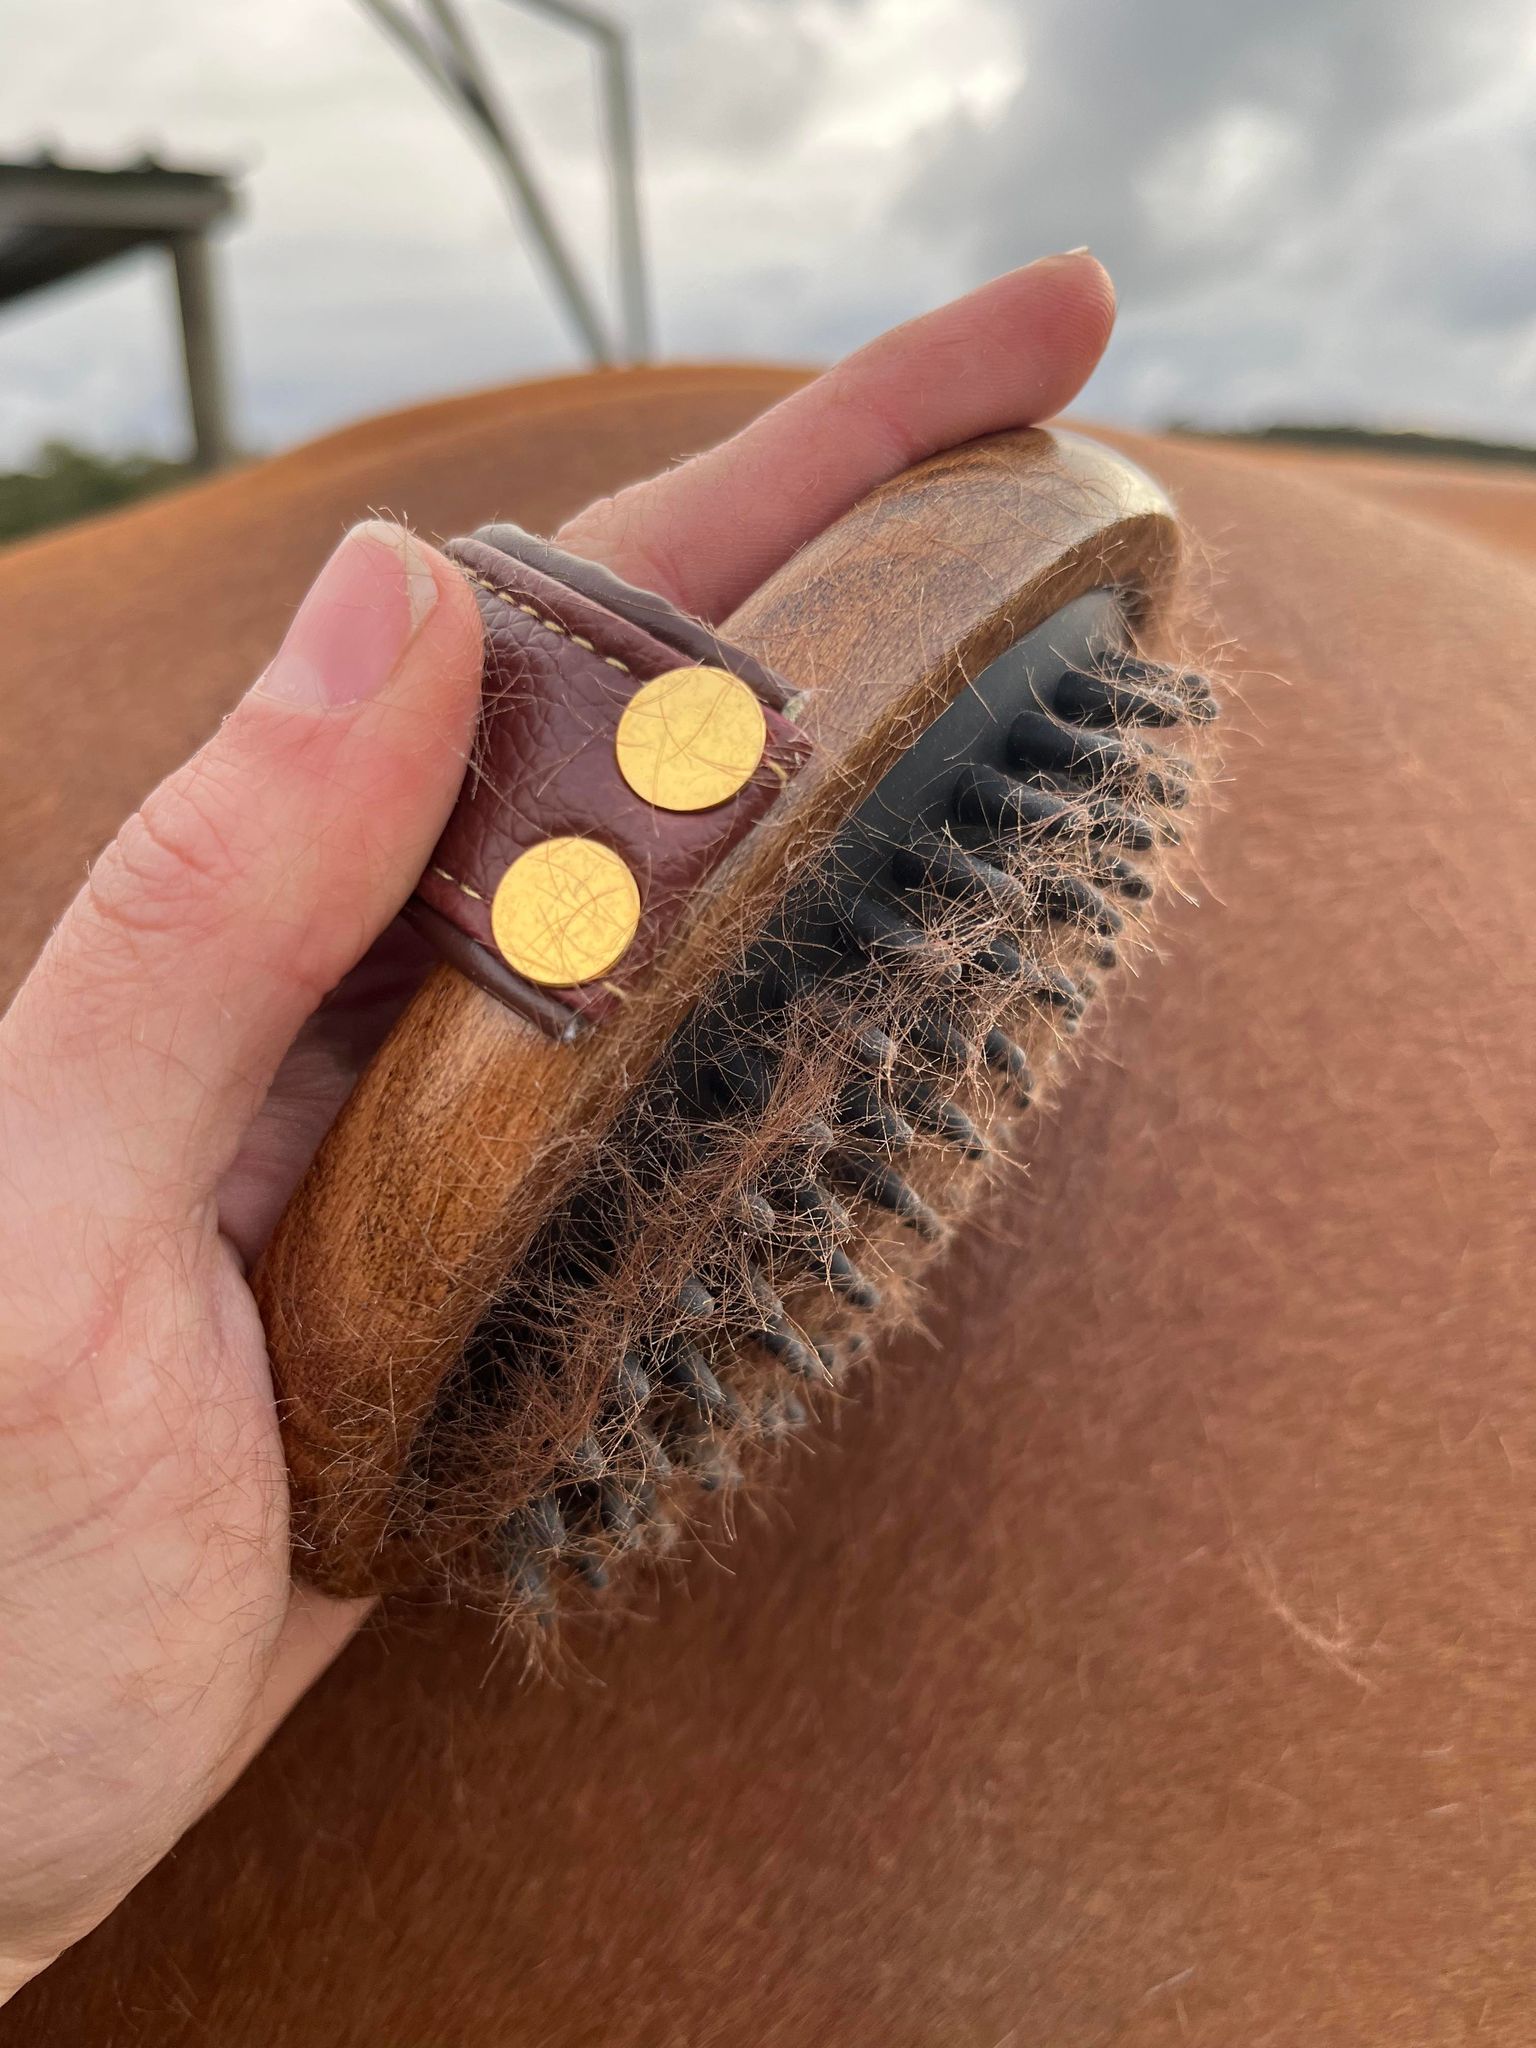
(568, 647)
(691, 637)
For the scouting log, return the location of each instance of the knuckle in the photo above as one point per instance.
(170, 868)
(627, 525)
(883, 421)
(593, 523)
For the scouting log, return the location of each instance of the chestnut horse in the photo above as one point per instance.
(1148, 1658)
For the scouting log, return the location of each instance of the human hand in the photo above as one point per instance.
(171, 1062)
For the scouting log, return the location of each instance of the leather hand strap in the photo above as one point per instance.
(624, 750)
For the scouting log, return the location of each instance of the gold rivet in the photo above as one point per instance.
(565, 911)
(690, 738)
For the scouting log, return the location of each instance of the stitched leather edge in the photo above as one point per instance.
(643, 608)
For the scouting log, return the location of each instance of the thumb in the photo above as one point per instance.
(249, 883)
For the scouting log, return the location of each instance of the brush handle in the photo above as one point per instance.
(471, 1121)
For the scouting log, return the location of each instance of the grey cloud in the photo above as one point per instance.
(736, 79)
(1179, 137)
(1310, 209)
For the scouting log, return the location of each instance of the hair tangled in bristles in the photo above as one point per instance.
(718, 1272)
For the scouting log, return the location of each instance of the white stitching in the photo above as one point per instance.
(550, 625)
(457, 883)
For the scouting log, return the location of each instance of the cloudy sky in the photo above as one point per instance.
(1320, 209)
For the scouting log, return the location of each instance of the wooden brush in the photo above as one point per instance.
(572, 1254)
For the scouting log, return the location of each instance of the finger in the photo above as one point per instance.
(317, 1074)
(250, 881)
(707, 533)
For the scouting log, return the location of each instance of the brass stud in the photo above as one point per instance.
(565, 911)
(690, 738)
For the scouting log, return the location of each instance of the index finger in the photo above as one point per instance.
(707, 533)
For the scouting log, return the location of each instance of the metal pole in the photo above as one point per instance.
(634, 298)
(206, 402)
(480, 98)
(623, 165)
(455, 69)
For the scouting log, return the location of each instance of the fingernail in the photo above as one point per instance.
(358, 617)
(1082, 249)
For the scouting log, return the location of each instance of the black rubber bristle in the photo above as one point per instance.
(872, 1050)
(632, 1383)
(545, 1524)
(695, 1302)
(1115, 699)
(930, 1109)
(686, 1370)
(1000, 957)
(621, 1508)
(988, 800)
(652, 1456)
(1127, 880)
(936, 1039)
(864, 1113)
(705, 1459)
(810, 1206)
(587, 1460)
(1111, 823)
(878, 1183)
(884, 932)
(532, 1586)
(962, 878)
(527, 1546)
(592, 1570)
(1036, 741)
(774, 1333)
(1006, 1058)
(1065, 895)
(781, 1416)
(845, 1277)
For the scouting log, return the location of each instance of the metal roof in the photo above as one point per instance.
(57, 220)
